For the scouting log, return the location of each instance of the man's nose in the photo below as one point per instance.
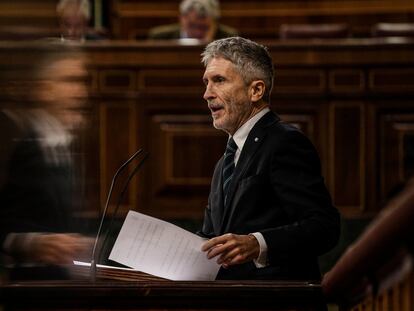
(208, 94)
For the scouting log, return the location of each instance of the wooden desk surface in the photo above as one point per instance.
(170, 53)
(162, 295)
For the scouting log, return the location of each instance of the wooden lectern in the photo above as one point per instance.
(132, 290)
(162, 295)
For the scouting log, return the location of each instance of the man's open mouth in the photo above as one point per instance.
(215, 108)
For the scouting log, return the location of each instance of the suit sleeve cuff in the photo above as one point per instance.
(261, 261)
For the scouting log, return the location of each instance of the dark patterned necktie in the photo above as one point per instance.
(228, 165)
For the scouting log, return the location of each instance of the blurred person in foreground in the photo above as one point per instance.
(74, 17)
(42, 105)
(199, 19)
(269, 214)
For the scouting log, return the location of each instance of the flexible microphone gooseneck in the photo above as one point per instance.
(120, 169)
(118, 204)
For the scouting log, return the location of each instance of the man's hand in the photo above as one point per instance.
(58, 249)
(233, 249)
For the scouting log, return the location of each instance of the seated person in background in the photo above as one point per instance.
(74, 16)
(40, 108)
(198, 20)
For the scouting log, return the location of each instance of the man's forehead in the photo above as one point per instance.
(219, 64)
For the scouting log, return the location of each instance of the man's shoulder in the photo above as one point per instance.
(170, 31)
(271, 122)
(283, 132)
(285, 127)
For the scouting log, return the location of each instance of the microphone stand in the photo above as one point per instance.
(120, 199)
(120, 169)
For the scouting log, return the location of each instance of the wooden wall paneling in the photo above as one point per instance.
(184, 148)
(295, 80)
(347, 156)
(386, 80)
(118, 141)
(185, 151)
(349, 81)
(371, 158)
(28, 13)
(184, 157)
(26, 20)
(174, 80)
(142, 89)
(117, 81)
(396, 151)
(389, 152)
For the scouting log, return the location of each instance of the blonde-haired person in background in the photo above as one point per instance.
(74, 17)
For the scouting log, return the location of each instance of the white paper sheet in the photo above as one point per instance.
(157, 247)
(88, 264)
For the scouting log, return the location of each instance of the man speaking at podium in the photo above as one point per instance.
(269, 214)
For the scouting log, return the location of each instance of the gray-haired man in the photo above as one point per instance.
(199, 19)
(269, 214)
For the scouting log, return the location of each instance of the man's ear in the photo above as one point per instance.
(257, 89)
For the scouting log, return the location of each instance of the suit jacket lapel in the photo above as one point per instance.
(254, 140)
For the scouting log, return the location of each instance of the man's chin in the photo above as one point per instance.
(220, 126)
(217, 124)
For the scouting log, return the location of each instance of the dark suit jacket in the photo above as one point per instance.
(173, 31)
(277, 189)
(35, 196)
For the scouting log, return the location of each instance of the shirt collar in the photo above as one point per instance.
(241, 134)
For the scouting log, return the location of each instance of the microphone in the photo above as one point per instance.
(120, 199)
(120, 169)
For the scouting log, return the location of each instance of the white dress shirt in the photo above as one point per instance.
(240, 138)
